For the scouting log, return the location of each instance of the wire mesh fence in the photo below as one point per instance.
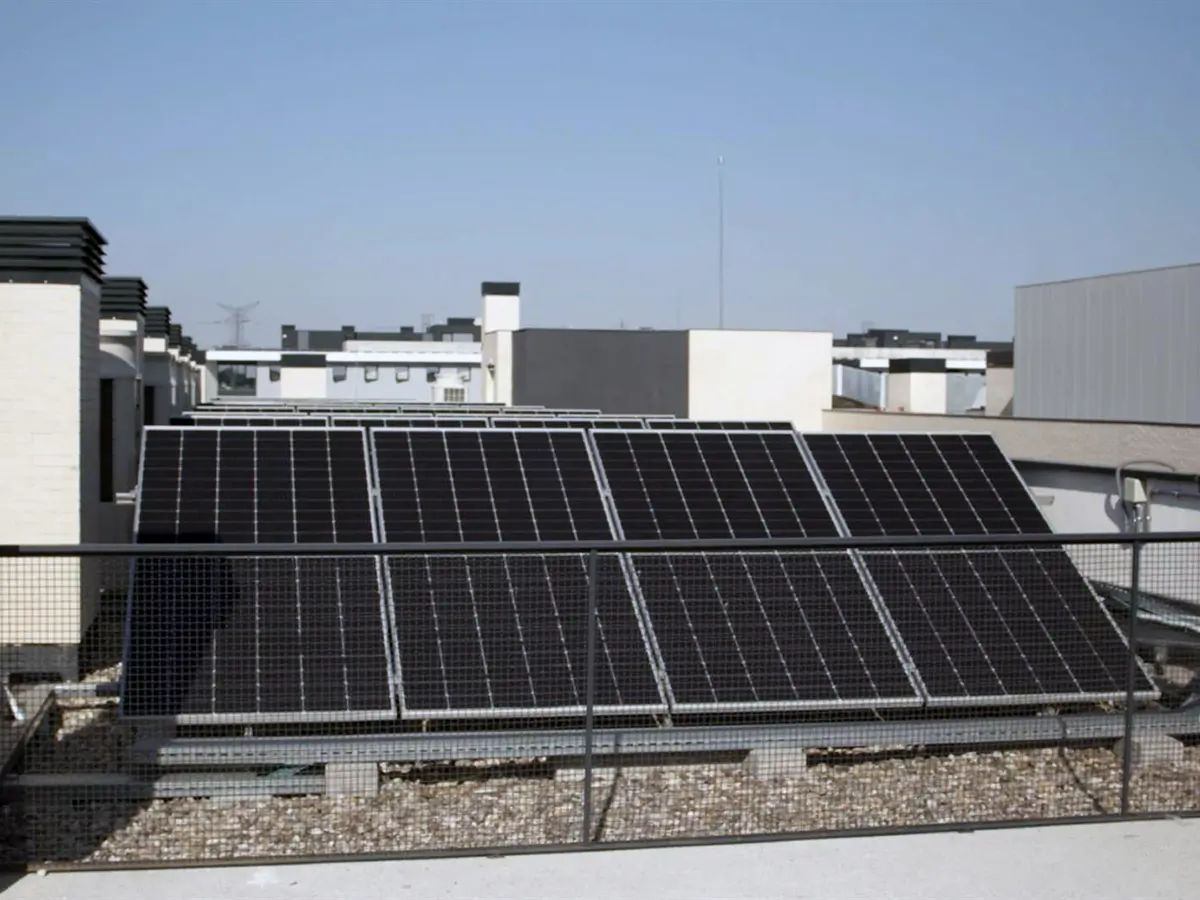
(196, 704)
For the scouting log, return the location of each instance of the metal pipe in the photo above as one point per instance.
(589, 722)
(1131, 676)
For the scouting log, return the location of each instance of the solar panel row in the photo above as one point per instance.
(504, 635)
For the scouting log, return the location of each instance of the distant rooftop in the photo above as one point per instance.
(461, 328)
(902, 337)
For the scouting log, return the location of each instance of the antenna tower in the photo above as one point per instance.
(237, 320)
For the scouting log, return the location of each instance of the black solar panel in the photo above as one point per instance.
(411, 422)
(736, 629)
(769, 630)
(702, 425)
(255, 639)
(564, 422)
(257, 421)
(981, 624)
(681, 485)
(507, 635)
(501, 635)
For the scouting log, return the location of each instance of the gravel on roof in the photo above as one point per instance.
(422, 808)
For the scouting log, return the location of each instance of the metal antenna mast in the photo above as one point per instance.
(720, 241)
(237, 320)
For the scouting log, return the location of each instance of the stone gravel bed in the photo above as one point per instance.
(420, 808)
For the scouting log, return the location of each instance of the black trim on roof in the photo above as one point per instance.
(50, 250)
(901, 366)
(122, 297)
(501, 288)
(302, 360)
(158, 321)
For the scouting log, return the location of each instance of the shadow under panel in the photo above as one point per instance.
(259, 639)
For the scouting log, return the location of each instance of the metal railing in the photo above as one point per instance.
(547, 695)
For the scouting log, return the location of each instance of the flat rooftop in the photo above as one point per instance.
(1118, 860)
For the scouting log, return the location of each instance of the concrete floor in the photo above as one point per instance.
(1125, 861)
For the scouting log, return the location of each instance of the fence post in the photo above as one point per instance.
(590, 699)
(1135, 572)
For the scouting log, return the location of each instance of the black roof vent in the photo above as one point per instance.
(59, 251)
(122, 298)
(174, 335)
(502, 288)
(158, 321)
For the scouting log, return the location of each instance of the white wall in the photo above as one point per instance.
(781, 375)
(501, 317)
(498, 367)
(917, 392)
(1085, 502)
(1000, 391)
(49, 478)
(302, 382)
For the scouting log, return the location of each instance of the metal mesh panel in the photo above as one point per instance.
(203, 706)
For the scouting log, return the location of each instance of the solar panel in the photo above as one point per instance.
(747, 630)
(683, 485)
(986, 625)
(501, 635)
(703, 425)
(564, 422)
(257, 421)
(268, 639)
(411, 422)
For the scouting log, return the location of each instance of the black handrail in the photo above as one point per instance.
(476, 548)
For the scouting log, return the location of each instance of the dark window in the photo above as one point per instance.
(106, 440)
(148, 404)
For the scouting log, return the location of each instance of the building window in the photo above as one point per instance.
(464, 374)
(273, 372)
(454, 395)
(431, 374)
(401, 373)
(237, 380)
(148, 404)
(106, 440)
(339, 373)
(370, 373)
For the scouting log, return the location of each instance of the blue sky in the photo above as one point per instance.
(361, 163)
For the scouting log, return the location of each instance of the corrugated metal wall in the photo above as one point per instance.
(1116, 347)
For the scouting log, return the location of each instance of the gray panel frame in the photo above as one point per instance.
(501, 712)
(260, 718)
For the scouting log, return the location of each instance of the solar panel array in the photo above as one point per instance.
(990, 625)
(454, 634)
(504, 635)
(713, 614)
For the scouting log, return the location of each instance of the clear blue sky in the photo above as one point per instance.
(364, 163)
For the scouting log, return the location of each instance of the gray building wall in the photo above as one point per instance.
(1116, 347)
(613, 371)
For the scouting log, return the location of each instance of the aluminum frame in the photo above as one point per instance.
(259, 718)
(405, 713)
(997, 731)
